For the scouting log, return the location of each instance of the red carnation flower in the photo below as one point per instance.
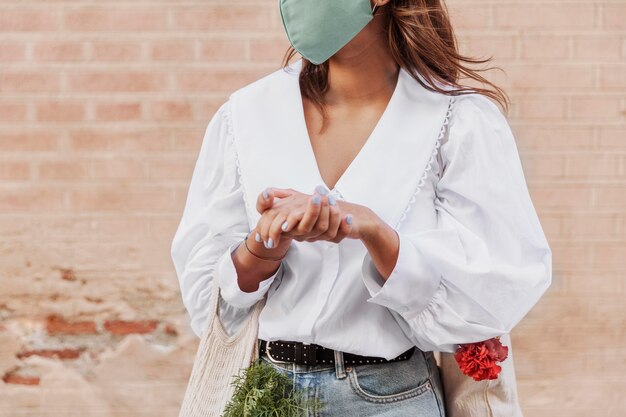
(478, 360)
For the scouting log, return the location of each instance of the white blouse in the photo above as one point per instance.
(443, 171)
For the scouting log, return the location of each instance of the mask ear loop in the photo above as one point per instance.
(374, 9)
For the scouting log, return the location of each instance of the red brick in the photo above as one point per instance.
(58, 51)
(498, 45)
(172, 50)
(215, 80)
(613, 77)
(127, 198)
(57, 325)
(593, 166)
(563, 196)
(168, 170)
(118, 111)
(109, 50)
(13, 112)
(596, 107)
(612, 137)
(597, 47)
(117, 81)
(63, 170)
(542, 107)
(549, 77)
(23, 19)
(30, 140)
(172, 110)
(31, 197)
(15, 170)
(227, 50)
(60, 111)
(614, 16)
(15, 378)
(223, 17)
(67, 353)
(611, 196)
(468, 16)
(12, 50)
(119, 168)
(553, 136)
(121, 327)
(120, 139)
(545, 15)
(546, 47)
(25, 81)
(115, 18)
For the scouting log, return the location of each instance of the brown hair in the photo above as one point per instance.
(422, 41)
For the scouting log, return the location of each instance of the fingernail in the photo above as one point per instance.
(265, 244)
(266, 194)
(257, 237)
(349, 219)
(285, 225)
(331, 200)
(270, 243)
(316, 199)
(321, 189)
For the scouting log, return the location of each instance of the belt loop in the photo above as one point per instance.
(340, 370)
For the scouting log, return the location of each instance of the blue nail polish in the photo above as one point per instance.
(265, 244)
(257, 237)
(316, 199)
(270, 243)
(349, 219)
(285, 225)
(321, 189)
(331, 200)
(266, 194)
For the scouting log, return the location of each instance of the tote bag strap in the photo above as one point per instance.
(215, 323)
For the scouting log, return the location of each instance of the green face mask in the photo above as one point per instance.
(319, 28)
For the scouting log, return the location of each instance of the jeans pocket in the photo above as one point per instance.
(392, 381)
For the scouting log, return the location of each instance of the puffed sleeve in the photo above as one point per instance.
(213, 224)
(487, 262)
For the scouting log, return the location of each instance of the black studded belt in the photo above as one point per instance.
(312, 354)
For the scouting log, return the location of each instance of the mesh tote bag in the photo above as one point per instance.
(218, 359)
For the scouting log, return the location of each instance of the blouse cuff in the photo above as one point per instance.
(229, 287)
(415, 278)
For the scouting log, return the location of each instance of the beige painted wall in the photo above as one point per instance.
(103, 106)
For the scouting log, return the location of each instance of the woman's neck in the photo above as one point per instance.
(363, 74)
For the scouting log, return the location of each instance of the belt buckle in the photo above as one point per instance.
(267, 352)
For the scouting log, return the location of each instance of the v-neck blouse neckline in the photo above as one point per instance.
(273, 149)
(304, 136)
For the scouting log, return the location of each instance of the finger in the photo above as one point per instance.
(321, 225)
(345, 227)
(334, 218)
(305, 225)
(275, 230)
(264, 225)
(289, 225)
(265, 199)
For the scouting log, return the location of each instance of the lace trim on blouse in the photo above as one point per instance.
(226, 114)
(433, 155)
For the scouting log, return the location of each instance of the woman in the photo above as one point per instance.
(380, 205)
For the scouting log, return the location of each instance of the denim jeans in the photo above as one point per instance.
(395, 389)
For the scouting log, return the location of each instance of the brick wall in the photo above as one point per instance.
(102, 109)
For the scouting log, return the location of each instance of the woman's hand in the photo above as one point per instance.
(306, 217)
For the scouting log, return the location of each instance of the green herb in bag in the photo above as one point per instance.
(262, 391)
